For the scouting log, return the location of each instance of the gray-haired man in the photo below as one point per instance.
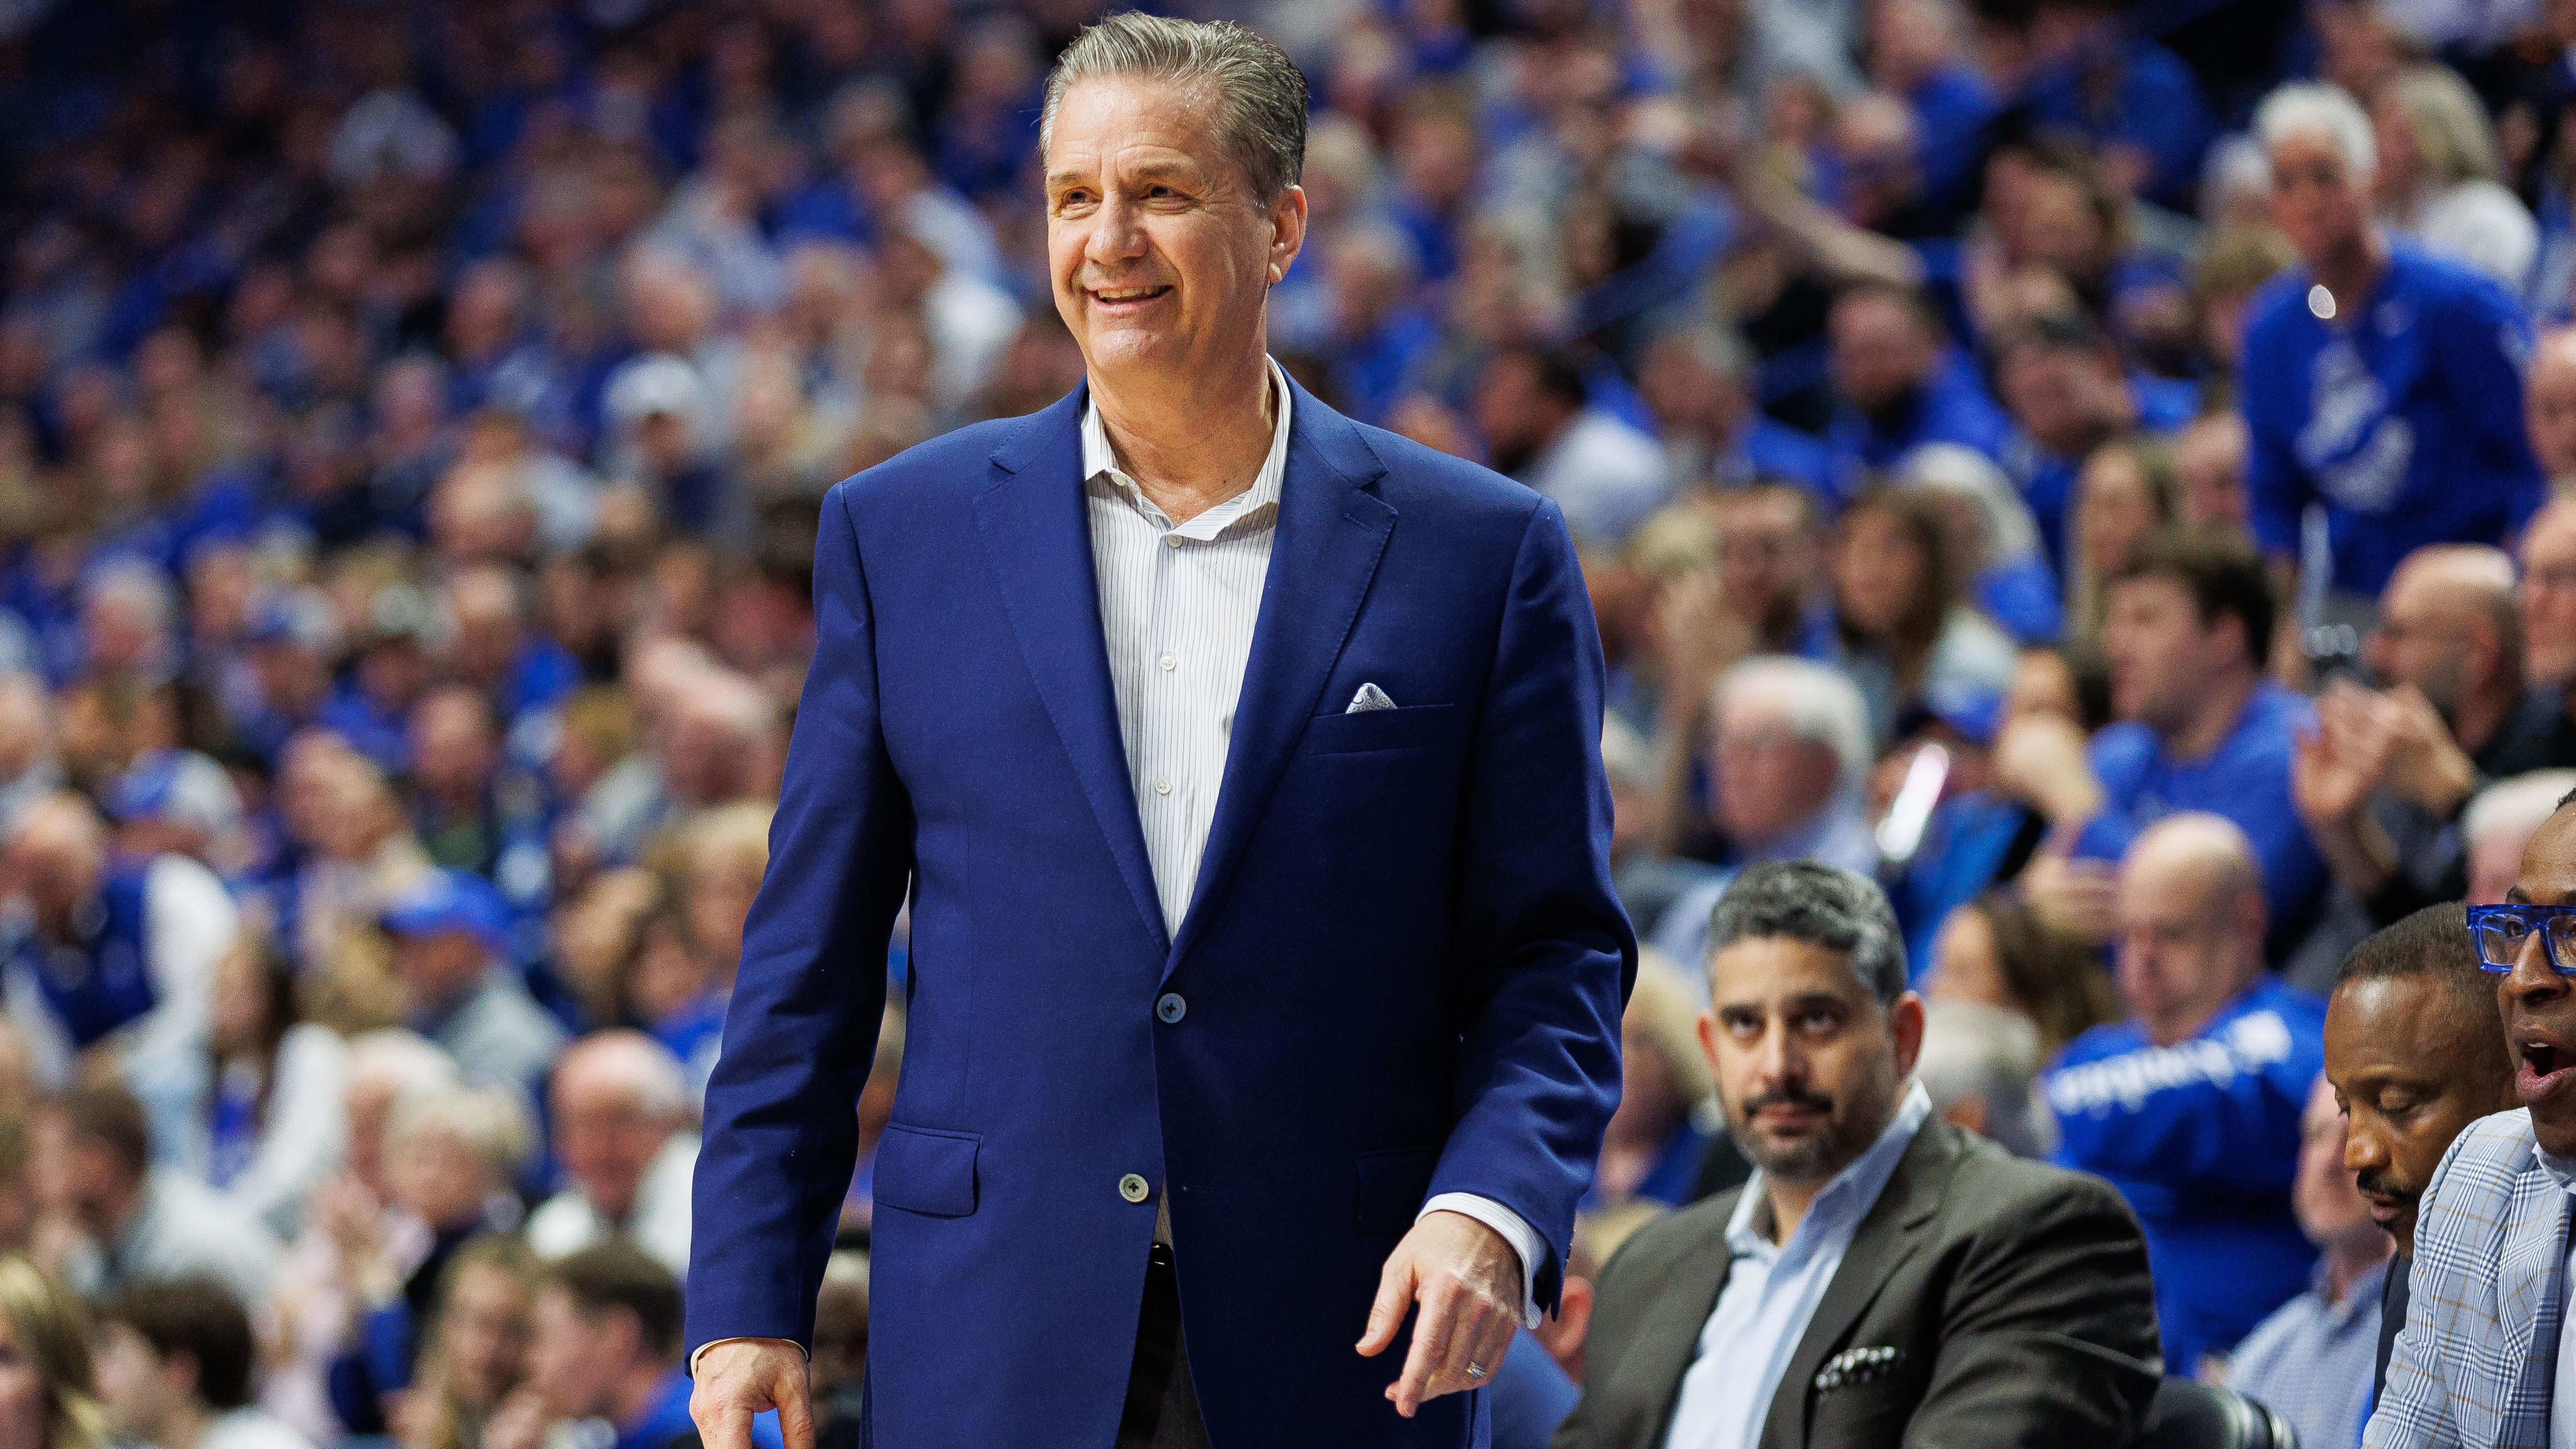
(1241, 767)
(1885, 1278)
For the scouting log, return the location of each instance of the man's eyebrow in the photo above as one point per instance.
(1161, 169)
(2517, 896)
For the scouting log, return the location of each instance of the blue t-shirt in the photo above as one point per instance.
(1954, 114)
(1965, 846)
(1954, 408)
(2403, 416)
(2202, 1138)
(2246, 780)
(2132, 93)
(1772, 450)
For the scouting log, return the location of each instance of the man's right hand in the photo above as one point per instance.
(739, 1377)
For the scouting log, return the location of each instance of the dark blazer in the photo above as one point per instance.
(2014, 1296)
(1400, 972)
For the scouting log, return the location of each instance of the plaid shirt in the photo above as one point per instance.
(2475, 1362)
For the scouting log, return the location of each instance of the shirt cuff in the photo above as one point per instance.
(1515, 1230)
(737, 1338)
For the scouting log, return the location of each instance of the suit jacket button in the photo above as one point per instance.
(1133, 1188)
(1171, 1008)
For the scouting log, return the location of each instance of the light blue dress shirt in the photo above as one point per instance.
(1772, 1290)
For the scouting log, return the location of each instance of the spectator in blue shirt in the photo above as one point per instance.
(2191, 1107)
(1696, 381)
(2188, 634)
(1381, 328)
(1898, 386)
(2381, 382)
(2062, 381)
(2131, 97)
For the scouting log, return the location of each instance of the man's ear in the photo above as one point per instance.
(1905, 1025)
(1287, 231)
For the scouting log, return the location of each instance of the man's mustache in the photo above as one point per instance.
(1789, 1097)
(2381, 1185)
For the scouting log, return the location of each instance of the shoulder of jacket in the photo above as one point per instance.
(1652, 1248)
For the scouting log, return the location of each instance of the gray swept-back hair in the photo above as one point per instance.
(1822, 905)
(1261, 96)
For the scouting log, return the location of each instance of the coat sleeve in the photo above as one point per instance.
(2048, 1336)
(781, 1122)
(1545, 955)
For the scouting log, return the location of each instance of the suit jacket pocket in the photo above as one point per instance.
(921, 1170)
(1861, 1415)
(1400, 728)
(1392, 1186)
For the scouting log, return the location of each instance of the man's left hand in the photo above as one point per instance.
(1467, 1280)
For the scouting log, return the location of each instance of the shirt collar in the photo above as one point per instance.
(2561, 1170)
(1846, 1199)
(1100, 460)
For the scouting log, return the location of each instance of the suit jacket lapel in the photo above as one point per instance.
(1886, 1237)
(1332, 529)
(1036, 527)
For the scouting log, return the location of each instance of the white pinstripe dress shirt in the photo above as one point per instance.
(1178, 602)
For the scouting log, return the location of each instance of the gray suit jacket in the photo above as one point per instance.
(2013, 1295)
(2478, 1358)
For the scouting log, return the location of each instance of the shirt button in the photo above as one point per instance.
(1171, 1008)
(1133, 1188)
(1162, 787)
(1171, 540)
(1168, 662)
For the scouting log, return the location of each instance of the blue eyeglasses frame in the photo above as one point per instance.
(2503, 929)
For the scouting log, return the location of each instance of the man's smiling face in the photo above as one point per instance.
(2538, 1004)
(1161, 254)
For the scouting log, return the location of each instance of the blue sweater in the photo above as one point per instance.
(2202, 1138)
(2403, 416)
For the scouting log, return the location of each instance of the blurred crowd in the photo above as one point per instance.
(1991, 427)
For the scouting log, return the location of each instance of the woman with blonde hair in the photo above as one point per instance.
(48, 1391)
(2437, 175)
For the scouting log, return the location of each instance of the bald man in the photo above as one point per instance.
(623, 1129)
(118, 959)
(2191, 1106)
(2382, 782)
(2549, 406)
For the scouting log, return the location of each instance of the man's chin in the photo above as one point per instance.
(1801, 1157)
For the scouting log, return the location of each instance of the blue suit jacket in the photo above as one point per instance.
(1403, 962)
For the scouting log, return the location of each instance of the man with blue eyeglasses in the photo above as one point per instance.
(2484, 1355)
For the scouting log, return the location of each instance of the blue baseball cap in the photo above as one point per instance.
(450, 900)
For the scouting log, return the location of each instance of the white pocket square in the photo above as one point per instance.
(1370, 697)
